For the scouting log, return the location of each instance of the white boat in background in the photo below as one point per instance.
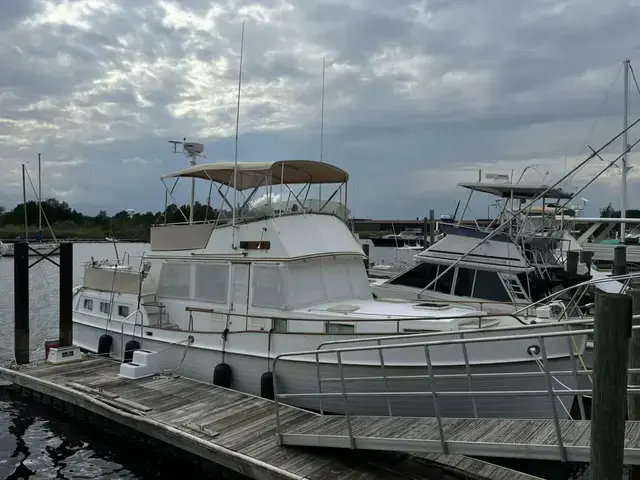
(403, 257)
(502, 273)
(217, 301)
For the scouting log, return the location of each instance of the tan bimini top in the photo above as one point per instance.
(255, 174)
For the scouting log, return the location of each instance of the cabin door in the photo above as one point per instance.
(238, 308)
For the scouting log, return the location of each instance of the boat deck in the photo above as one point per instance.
(229, 428)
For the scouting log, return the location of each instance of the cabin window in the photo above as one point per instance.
(280, 325)
(307, 284)
(337, 281)
(464, 282)
(340, 328)
(212, 281)
(445, 282)
(105, 307)
(488, 286)
(419, 330)
(123, 311)
(268, 290)
(174, 280)
(240, 284)
(419, 276)
(88, 304)
(359, 280)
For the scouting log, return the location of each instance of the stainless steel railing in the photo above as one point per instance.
(539, 354)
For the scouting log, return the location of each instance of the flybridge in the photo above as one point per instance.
(285, 186)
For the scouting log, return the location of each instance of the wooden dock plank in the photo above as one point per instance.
(495, 437)
(237, 430)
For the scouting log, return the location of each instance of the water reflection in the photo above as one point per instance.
(37, 442)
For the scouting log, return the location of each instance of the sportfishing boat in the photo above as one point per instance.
(506, 271)
(217, 300)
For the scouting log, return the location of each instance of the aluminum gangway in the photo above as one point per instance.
(556, 436)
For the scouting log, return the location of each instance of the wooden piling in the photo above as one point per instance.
(432, 227)
(66, 294)
(586, 257)
(572, 261)
(21, 302)
(619, 260)
(633, 401)
(611, 351)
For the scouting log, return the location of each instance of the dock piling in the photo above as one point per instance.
(619, 260)
(612, 332)
(633, 401)
(21, 302)
(586, 257)
(432, 227)
(66, 294)
(572, 261)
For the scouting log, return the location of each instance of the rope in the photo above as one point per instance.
(577, 352)
(541, 366)
(180, 362)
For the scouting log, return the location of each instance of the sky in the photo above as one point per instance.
(419, 95)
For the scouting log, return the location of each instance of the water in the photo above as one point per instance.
(37, 443)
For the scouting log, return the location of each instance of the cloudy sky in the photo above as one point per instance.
(419, 94)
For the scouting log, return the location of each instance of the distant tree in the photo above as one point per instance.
(102, 219)
(607, 212)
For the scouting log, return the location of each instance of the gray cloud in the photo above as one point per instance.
(419, 95)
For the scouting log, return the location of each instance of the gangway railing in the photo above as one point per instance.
(346, 401)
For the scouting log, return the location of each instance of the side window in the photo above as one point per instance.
(445, 282)
(464, 282)
(105, 307)
(279, 325)
(419, 276)
(88, 304)
(331, 327)
(123, 311)
(489, 287)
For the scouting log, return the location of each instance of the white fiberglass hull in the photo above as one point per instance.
(248, 362)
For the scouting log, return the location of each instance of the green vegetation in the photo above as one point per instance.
(68, 223)
(610, 212)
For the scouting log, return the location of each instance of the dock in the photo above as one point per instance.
(534, 439)
(229, 428)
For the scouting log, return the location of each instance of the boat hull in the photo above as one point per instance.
(299, 376)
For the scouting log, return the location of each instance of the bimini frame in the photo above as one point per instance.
(250, 176)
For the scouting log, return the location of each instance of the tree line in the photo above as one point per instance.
(68, 222)
(610, 212)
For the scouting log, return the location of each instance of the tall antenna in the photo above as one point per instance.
(235, 159)
(625, 147)
(321, 127)
(39, 196)
(24, 203)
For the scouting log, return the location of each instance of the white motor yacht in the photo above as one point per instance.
(217, 300)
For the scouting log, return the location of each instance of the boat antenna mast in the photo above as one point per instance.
(321, 129)
(625, 150)
(192, 150)
(235, 155)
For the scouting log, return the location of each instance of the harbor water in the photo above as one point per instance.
(39, 443)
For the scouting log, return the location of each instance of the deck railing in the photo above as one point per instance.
(573, 332)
